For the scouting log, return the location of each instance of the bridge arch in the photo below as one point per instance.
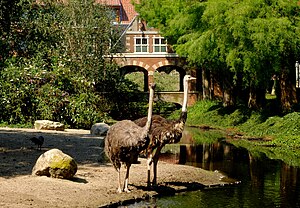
(168, 69)
(134, 63)
(150, 64)
(133, 68)
(176, 62)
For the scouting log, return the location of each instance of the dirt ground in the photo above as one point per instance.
(95, 182)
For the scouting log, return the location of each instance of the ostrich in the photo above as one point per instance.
(164, 132)
(125, 140)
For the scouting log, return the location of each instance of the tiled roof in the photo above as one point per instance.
(110, 2)
(127, 11)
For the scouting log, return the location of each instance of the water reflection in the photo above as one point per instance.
(265, 182)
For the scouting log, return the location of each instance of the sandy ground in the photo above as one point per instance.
(95, 182)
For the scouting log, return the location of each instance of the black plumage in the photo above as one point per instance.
(39, 141)
(125, 140)
(164, 131)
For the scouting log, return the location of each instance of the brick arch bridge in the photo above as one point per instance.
(148, 65)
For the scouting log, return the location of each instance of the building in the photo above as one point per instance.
(145, 49)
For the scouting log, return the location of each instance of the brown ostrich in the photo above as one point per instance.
(125, 140)
(164, 132)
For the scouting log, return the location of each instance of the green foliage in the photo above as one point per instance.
(164, 81)
(30, 93)
(55, 66)
(212, 113)
(248, 40)
(282, 130)
(275, 126)
(205, 137)
(254, 123)
(284, 150)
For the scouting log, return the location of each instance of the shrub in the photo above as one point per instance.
(30, 93)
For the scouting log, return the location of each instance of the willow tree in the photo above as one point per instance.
(245, 42)
(265, 33)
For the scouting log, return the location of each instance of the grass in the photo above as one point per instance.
(5, 124)
(284, 130)
(281, 133)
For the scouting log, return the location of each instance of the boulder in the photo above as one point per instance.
(56, 164)
(48, 125)
(99, 129)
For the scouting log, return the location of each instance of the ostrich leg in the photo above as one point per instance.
(126, 179)
(119, 181)
(155, 161)
(149, 162)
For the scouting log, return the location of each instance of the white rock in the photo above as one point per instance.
(48, 125)
(54, 163)
(99, 129)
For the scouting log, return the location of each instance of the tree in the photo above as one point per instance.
(247, 41)
(9, 12)
(55, 63)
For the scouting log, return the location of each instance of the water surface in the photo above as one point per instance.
(265, 182)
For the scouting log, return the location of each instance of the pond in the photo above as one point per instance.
(265, 182)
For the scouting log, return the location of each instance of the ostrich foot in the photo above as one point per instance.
(119, 190)
(127, 190)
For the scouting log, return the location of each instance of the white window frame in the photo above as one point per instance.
(141, 44)
(160, 45)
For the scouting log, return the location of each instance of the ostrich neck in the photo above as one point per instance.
(150, 108)
(185, 96)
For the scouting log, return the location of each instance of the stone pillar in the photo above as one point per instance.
(193, 84)
(146, 82)
(181, 76)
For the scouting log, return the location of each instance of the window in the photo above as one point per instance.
(115, 14)
(159, 45)
(141, 44)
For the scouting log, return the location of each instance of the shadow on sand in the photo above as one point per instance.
(18, 154)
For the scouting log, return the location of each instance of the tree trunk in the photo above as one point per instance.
(205, 83)
(287, 91)
(257, 98)
(229, 98)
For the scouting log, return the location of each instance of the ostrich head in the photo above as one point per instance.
(187, 78)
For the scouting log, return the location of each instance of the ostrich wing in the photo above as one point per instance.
(164, 131)
(125, 139)
(126, 134)
(157, 120)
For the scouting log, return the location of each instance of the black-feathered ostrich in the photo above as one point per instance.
(125, 140)
(164, 132)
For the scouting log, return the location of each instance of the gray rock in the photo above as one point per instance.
(48, 125)
(56, 164)
(99, 129)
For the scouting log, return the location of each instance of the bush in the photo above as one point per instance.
(30, 93)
